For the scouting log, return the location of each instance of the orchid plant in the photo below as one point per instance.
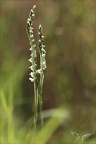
(36, 75)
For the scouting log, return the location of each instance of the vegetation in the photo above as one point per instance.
(37, 76)
(61, 108)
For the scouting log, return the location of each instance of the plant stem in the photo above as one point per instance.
(36, 76)
(41, 87)
(35, 105)
(42, 53)
(41, 97)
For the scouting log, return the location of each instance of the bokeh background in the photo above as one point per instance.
(69, 28)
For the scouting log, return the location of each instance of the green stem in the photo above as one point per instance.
(40, 92)
(36, 104)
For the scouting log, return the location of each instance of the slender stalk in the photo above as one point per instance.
(35, 105)
(33, 74)
(40, 98)
(36, 76)
(41, 86)
(42, 68)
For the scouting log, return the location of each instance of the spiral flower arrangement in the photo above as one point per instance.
(36, 75)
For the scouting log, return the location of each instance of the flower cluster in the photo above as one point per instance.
(29, 29)
(41, 49)
(36, 75)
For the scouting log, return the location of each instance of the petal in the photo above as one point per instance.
(30, 60)
(31, 36)
(43, 50)
(33, 15)
(31, 79)
(30, 49)
(32, 74)
(30, 31)
(33, 54)
(31, 67)
(39, 71)
(43, 57)
(44, 65)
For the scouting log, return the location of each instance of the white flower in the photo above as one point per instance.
(43, 57)
(31, 79)
(30, 60)
(33, 15)
(33, 40)
(32, 10)
(31, 36)
(31, 28)
(39, 71)
(30, 49)
(42, 37)
(30, 31)
(34, 7)
(32, 74)
(33, 54)
(32, 67)
(44, 65)
(28, 20)
(43, 46)
(43, 50)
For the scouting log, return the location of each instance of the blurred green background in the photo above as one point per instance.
(70, 78)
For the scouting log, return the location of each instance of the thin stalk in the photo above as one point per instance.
(42, 53)
(36, 76)
(41, 87)
(35, 105)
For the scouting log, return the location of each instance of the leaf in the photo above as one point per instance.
(76, 135)
(87, 136)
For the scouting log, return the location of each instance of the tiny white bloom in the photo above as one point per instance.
(32, 67)
(39, 71)
(43, 46)
(39, 40)
(31, 28)
(31, 36)
(33, 40)
(43, 50)
(32, 10)
(34, 6)
(31, 79)
(28, 20)
(43, 57)
(43, 37)
(33, 54)
(33, 15)
(32, 74)
(30, 31)
(30, 60)
(44, 65)
(30, 49)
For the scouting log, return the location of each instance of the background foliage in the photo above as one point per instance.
(70, 79)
